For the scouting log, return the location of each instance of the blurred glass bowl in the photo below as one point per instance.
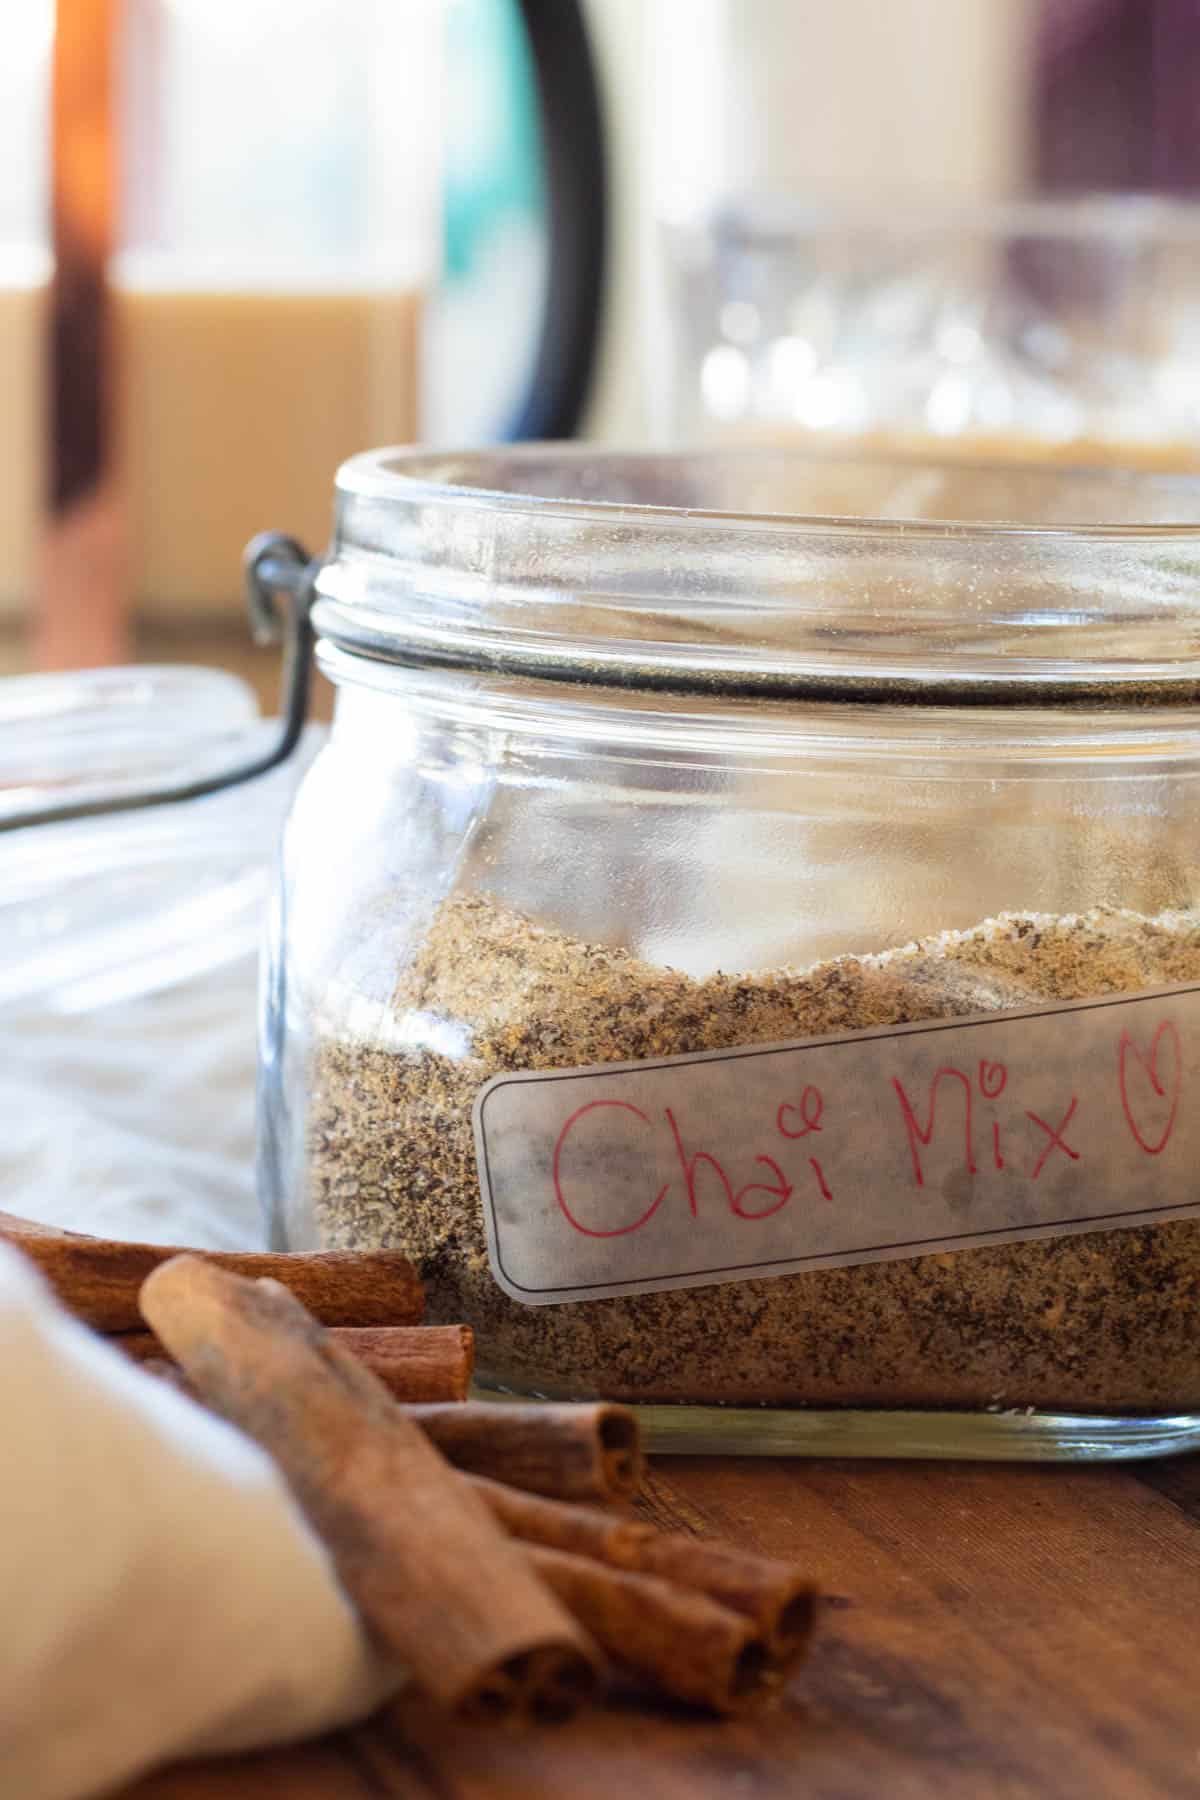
(107, 909)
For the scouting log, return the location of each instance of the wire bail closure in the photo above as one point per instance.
(276, 569)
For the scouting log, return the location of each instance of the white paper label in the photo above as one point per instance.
(893, 1142)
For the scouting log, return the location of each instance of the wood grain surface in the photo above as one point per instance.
(990, 1632)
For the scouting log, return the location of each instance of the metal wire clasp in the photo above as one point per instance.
(275, 567)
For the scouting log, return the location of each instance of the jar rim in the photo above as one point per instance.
(942, 582)
(1131, 219)
(441, 478)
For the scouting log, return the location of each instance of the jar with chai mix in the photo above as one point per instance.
(742, 940)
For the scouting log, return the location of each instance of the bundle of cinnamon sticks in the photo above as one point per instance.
(479, 1541)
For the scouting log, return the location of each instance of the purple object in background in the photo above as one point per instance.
(1175, 59)
(1117, 95)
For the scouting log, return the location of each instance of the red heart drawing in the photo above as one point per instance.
(1150, 1066)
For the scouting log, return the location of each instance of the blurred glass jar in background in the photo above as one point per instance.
(220, 287)
(24, 277)
(218, 227)
(1066, 329)
(281, 228)
(844, 248)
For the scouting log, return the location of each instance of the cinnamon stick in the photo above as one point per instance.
(585, 1452)
(98, 1278)
(675, 1639)
(414, 1362)
(436, 1579)
(779, 1599)
(15, 1228)
(513, 1444)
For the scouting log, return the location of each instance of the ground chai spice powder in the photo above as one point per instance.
(1107, 1321)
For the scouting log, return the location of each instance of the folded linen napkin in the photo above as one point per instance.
(160, 1593)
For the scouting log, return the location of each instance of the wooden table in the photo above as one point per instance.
(989, 1631)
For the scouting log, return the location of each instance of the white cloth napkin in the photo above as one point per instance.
(160, 1593)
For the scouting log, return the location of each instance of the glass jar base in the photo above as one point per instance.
(1014, 1436)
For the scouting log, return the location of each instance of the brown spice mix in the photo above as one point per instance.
(1106, 1321)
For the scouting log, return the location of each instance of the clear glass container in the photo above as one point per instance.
(284, 260)
(1061, 328)
(25, 268)
(131, 936)
(117, 906)
(246, 266)
(641, 761)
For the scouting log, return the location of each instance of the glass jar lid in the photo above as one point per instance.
(772, 573)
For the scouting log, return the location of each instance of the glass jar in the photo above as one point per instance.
(1065, 329)
(741, 939)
